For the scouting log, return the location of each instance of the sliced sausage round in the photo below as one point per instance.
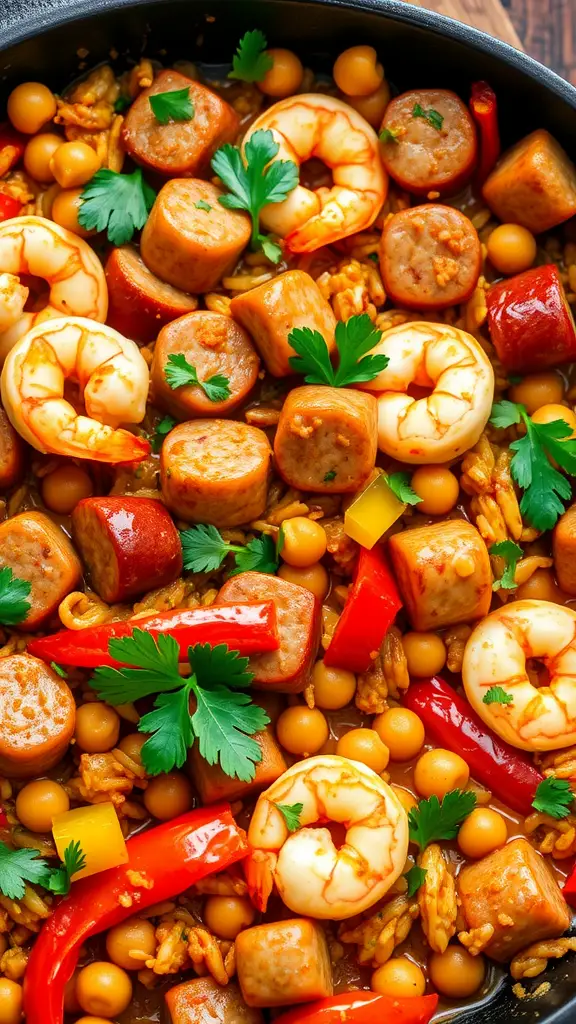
(430, 257)
(130, 545)
(37, 716)
(12, 454)
(429, 141)
(216, 471)
(139, 303)
(179, 148)
(286, 670)
(190, 240)
(214, 345)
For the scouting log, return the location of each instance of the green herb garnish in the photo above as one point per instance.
(354, 338)
(432, 116)
(116, 203)
(203, 205)
(251, 62)
(179, 373)
(554, 797)
(175, 105)
(399, 484)
(433, 819)
(60, 879)
(13, 593)
(511, 553)
(497, 695)
(389, 135)
(204, 549)
(415, 878)
(291, 814)
(162, 429)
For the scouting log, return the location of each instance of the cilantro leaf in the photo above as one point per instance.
(13, 593)
(203, 548)
(175, 105)
(171, 731)
(224, 722)
(511, 553)
(505, 414)
(291, 814)
(155, 670)
(258, 555)
(415, 878)
(497, 695)
(220, 664)
(180, 373)
(354, 338)
(389, 135)
(313, 359)
(203, 205)
(18, 867)
(554, 797)
(251, 62)
(162, 429)
(434, 117)
(122, 104)
(256, 180)
(399, 484)
(432, 820)
(118, 203)
(271, 249)
(60, 879)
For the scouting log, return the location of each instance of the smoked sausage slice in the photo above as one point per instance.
(37, 716)
(139, 303)
(202, 999)
(11, 454)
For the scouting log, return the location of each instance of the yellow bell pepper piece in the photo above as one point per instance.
(373, 512)
(97, 829)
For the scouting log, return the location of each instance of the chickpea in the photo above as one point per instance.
(38, 154)
(333, 687)
(438, 488)
(538, 389)
(408, 801)
(483, 831)
(304, 542)
(103, 989)
(133, 934)
(65, 487)
(10, 1002)
(402, 732)
(438, 771)
(74, 164)
(425, 653)
(511, 248)
(364, 745)
(284, 77)
(313, 578)
(555, 411)
(540, 587)
(132, 744)
(302, 730)
(373, 107)
(357, 71)
(398, 977)
(39, 802)
(30, 106)
(455, 973)
(167, 796)
(97, 727)
(65, 212)
(226, 916)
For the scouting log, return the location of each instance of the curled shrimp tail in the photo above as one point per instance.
(121, 446)
(259, 869)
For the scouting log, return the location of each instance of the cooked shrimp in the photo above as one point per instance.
(448, 421)
(539, 717)
(36, 246)
(112, 376)
(314, 125)
(312, 876)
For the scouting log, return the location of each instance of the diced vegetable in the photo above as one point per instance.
(484, 110)
(97, 829)
(373, 512)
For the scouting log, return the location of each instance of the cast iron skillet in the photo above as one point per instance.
(40, 39)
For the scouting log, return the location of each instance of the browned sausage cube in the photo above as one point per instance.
(288, 669)
(12, 460)
(214, 785)
(204, 1001)
(564, 551)
(534, 184)
(139, 303)
(327, 439)
(283, 962)
(215, 471)
(37, 716)
(190, 240)
(39, 551)
(212, 344)
(130, 545)
(272, 310)
(443, 572)
(514, 892)
(179, 148)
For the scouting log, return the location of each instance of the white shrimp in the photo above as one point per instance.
(539, 717)
(447, 422)
(315, 125)
(113, 379)
(37, 247)
(312, 876)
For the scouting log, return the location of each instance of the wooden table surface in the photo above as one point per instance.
(546, 29)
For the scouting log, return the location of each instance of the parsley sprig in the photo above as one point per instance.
(545, 488)
(554, 797)
(179, 373)
(175, 105)
(511, 553)
(497, 695)
(116, 203)
(433, 819)
(204, 549)
(224, 720)
(415, 878)
(434, 117)
(399, 484)
(354, 338)
(251, 62)
(254, 181)
(13, 593)
(163, 428)
(17, 867)
(60, 879)
(291, 814)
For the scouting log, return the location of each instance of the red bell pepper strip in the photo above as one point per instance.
(372, 605)
(569, 890)
(247, 628)
(363, 1008)
(172, 857)
(12, 146)
(451, 722)
(9, 207)
(484, 110)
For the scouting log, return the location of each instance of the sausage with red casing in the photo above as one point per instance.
(37, 716)
(139, 303)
